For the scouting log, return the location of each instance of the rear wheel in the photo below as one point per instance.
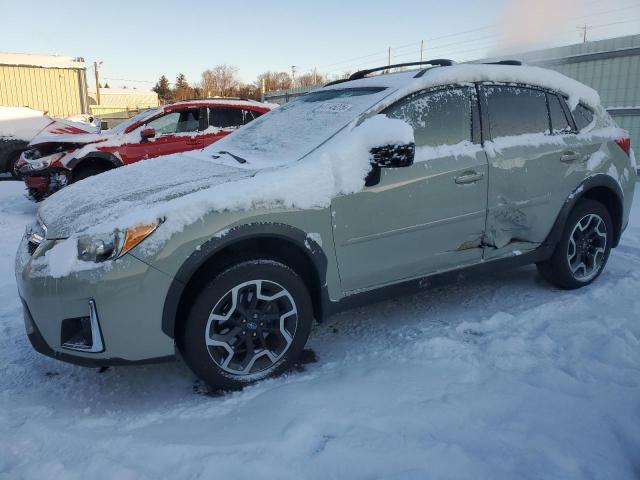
(583, 251)
(250, 322)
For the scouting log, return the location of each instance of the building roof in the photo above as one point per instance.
(45, 61)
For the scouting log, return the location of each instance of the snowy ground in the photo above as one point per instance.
(504, 377)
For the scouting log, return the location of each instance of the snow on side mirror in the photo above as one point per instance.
(393, 156)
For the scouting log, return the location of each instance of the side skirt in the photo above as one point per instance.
(409, 287)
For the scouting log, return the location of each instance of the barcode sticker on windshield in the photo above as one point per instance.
(333, 108)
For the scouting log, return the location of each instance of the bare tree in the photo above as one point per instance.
(310, 79)
(248, 90)
(220, 81)
(274, 81)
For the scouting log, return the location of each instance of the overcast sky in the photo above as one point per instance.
(137, 41)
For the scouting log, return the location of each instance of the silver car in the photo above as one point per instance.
(366, 188)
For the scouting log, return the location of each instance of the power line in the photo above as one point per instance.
(428, 41)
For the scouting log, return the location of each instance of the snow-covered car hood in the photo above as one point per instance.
(109, 197)
(66, 131)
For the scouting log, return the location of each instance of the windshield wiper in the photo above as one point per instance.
(235, 157)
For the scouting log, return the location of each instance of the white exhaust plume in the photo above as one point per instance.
(528, 25)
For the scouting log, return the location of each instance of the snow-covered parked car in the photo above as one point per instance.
(18, 125)
(67, 152)
(363, 189)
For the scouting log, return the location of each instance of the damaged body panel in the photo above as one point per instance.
(538, 155)
(65, 152)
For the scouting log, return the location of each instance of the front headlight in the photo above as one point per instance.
(44, 162)
(98, 248)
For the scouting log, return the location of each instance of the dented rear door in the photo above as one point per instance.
(532, 169)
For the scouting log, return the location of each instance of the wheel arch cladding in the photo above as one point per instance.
(602, 188)
(288, 245)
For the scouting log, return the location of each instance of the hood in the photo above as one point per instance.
(66, 131)
(113, 196)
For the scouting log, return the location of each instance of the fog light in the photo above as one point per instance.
(82, 333)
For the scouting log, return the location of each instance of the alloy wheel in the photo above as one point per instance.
(587, 247)
(251, 327)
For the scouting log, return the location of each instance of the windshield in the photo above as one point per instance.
(121, 127)
(289, 132)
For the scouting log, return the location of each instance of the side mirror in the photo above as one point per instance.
(147, 133)
(393, 156)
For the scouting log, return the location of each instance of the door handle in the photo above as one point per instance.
(569, 156)
(469, 177)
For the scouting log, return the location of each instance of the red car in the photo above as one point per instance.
(65, 152)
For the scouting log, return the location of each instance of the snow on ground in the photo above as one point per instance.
(497, 378)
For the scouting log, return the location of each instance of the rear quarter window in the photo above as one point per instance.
(250, 115)
(583, 116)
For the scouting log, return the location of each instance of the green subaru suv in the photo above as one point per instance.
(369, 187)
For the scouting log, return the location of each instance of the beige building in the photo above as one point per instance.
(51, 83)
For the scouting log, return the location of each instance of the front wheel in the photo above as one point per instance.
(250, 322)
(584, 248)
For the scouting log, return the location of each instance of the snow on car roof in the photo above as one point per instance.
(405, 82)
(223, 101)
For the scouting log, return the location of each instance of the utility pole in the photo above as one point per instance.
(95, 68)
(293, 75)
(389, 56)
(421, 49)
(584, 29)
(262, 90)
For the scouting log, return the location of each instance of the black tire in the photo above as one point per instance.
(557, 270)
(86, 172)
(207, 361)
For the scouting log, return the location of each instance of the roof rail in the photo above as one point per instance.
(505, 62)
(441, 62)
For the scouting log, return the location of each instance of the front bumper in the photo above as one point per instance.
(128, 296)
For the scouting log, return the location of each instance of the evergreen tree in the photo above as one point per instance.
(162, 88)
(182, 90)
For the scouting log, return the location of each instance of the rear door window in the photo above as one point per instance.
(559, 122)
(441, 117)
(515, 110)
(225, 117)
(583, 116)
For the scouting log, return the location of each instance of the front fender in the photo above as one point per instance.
(292, 235)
